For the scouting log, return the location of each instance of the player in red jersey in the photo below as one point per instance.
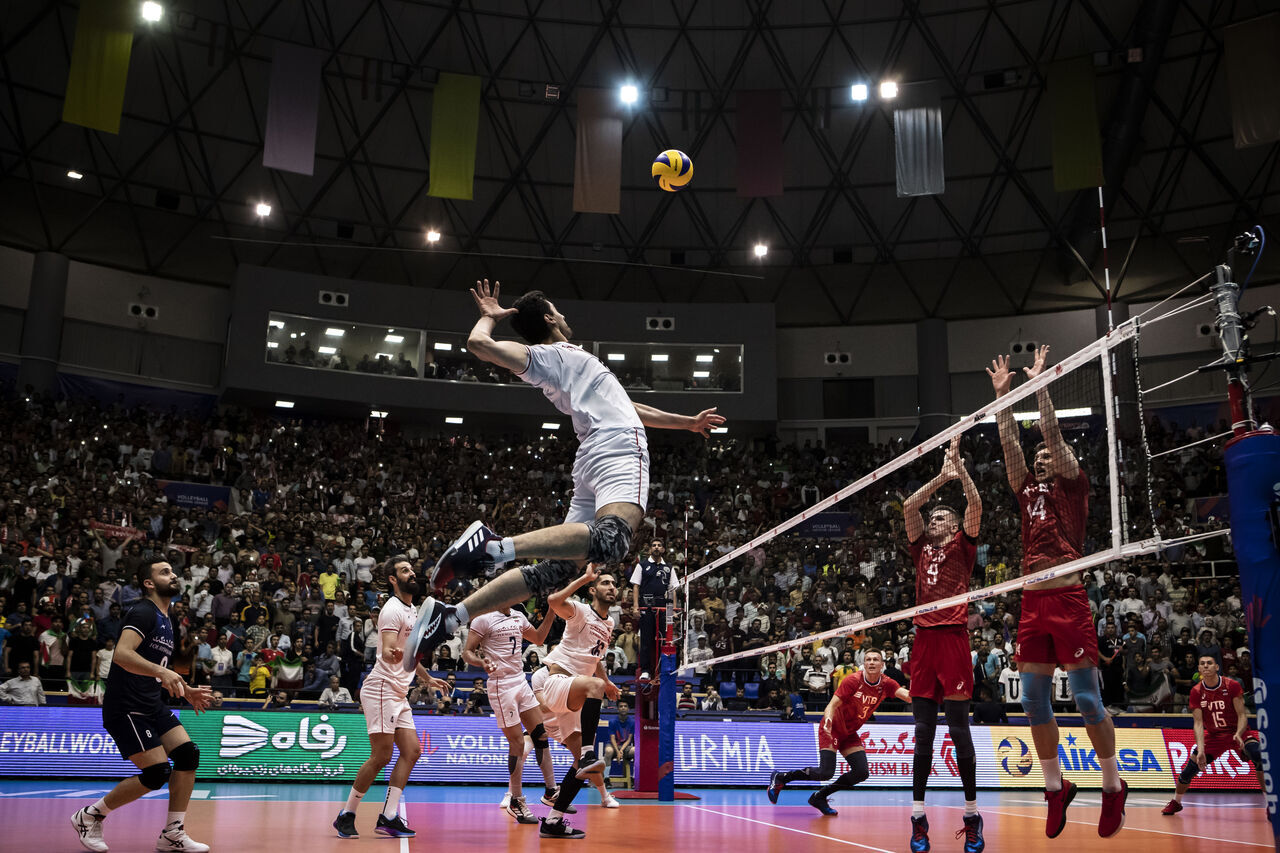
(855, 700)
(1221, 726)
(944, 552)
(1056, 628)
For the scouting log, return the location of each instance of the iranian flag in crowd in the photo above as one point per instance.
(84, 692)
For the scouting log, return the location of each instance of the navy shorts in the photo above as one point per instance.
(138, 731)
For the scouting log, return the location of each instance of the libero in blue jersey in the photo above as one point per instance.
(135, 715)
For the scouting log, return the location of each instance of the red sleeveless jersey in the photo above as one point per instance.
(859, 699)
(1053, 519)
(941, 572)
(1217, 706)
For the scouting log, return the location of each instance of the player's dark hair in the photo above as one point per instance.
(389, 567)
(529, 321)
(1210, 657)
(955, 516)
(1039, 446)
(143, 572)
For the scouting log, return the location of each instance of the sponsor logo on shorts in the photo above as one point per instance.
(1079, 652)
(959, 685)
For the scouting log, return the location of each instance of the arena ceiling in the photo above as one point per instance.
(173, 194)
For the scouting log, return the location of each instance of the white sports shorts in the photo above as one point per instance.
(384, 710)
(553, 691)
(510, 697)
(612, 466)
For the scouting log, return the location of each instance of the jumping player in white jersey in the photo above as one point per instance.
(386, 710)
(610, 471)
(573, 683)
(494, 644)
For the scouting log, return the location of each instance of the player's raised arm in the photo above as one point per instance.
(558, 601)
(911, 506)
(1062, 458)
(972, 498)
(703, 422)
(508, 354)
(538, 635)
(1015, 464)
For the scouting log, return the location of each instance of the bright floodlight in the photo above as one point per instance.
(761, 250)
(453, 420)
(263, 209)
(551, 425)
(375, 413)
(888, 90)
(859, 91)
(284, 404)
(74, 175)
(433, 236)
(629, 94)
(334, 333)
(152, 12)
(394, 339)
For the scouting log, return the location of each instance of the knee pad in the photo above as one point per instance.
(1189, 771)
(156, 776)
(185, 756)
(610, 539)
(925, 712)
(826, 764)
(547, 576)
(513, 761)
(539, 738)
(1088, 695)
(1253, 751)
(1037, 688)
(958, 724)
(858, 769)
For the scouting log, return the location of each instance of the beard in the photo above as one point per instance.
(173, 590)
(409, 587)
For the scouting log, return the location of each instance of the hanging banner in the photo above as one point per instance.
(293, 102)
(455, 121)
(597, 164)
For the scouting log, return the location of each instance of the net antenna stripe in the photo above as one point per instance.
(1107, 365)
(1091, 351)
(1133, 549)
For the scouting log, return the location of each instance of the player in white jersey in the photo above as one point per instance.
(610, 471)
(494, 644)
(386, 710)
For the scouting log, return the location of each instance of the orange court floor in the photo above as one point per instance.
(34, 816)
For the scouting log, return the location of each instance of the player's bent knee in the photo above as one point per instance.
(859, 771)
(610, 539)
(547, 576)
(1189, 771)
(1036, 690)
(826, 763)
(156, 776)
(1085, 687)
(185, 757)
(1253, 751)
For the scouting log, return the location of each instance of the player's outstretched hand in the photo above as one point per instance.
(589, 575)
(490, 666)
(430, 682)
(611, 690)
(487, 301)
(173, 683)
(393, 655)
(704, 421)
(951, 464)
(200, 698)
(1200, 759)
(1240, 743)
(1037, 367)
(1001, 376)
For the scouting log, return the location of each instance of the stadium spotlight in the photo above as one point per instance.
(152, 12)
(888, 90)
(74, 175)
(629, 93)
(761, 250)
(859, 91)
(263, 209)
(433, 236)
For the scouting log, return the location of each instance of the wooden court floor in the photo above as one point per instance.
(251, 818)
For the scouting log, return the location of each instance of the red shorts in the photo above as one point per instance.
(1056, 627)
(838, 740)
(1220, 743)
(941, 663)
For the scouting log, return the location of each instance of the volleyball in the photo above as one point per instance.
(672, 170)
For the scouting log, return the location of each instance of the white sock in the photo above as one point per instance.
(175, 817)
(1110, 774)
(970, 808)
(553, 816)
(392, 803)
(460, 611)
(353, 800)
(917, 808)
(502, 550)
(101, 807)
(1052, 774)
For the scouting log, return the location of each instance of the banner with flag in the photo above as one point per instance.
(455, 121)
(1073, 111)
(292, 107)
(759, 140)
(87, 692)
(597, 164)
(99, 64)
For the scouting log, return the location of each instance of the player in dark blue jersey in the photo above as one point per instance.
(134, 714)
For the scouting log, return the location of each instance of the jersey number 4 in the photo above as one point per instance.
(1037, 508)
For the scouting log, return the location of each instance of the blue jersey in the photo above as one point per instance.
(125, 691)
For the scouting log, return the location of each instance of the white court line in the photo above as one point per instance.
(791, 829)
(200, 795)
(243, 797)
(33, 793)
(86, 793)
(404, 816)
(1128, 828)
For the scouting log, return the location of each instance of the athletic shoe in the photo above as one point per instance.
(436, 623)
(506, 801)
(517, 808)
(820, 803)
(396, 827)
(174, 839)
(589, 764)
(559, 829)
(776, 784)
(89, 828)
(549, 799)
(466, 558)
(609, 801)
(345, 823)
(919, 834)
(1111, 820)
(1172, 808)
(972, 832)
(1058, 802)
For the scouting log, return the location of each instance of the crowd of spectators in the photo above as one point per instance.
(282, 586)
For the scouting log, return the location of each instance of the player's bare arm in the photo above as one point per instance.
(1197, 725)
(911, 514)
(972, 498)
(1242, 721)
(473, 657)
(127, 656)
(391, 653)
(902, 694)
(1062, 459)
(610, 689)
(558, 601)
(701, 423)
(509, 354)
(538, 635)
(829, 713)
(429, 682)
(1015, 464)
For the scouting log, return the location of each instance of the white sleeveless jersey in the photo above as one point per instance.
(398, 618)
(579, 385)
(501, 637)
(586, 639)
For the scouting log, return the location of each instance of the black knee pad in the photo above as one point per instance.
(859, 771)
(826, 764)
(925, 712)
(957, 712)
(547, 576)
(513, 761)
(1189, 771)
(610, 539)
(539, 738)
(185, 756)
(156, 776)
(1253, 751)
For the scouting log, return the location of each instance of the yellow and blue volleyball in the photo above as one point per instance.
(672, 170)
